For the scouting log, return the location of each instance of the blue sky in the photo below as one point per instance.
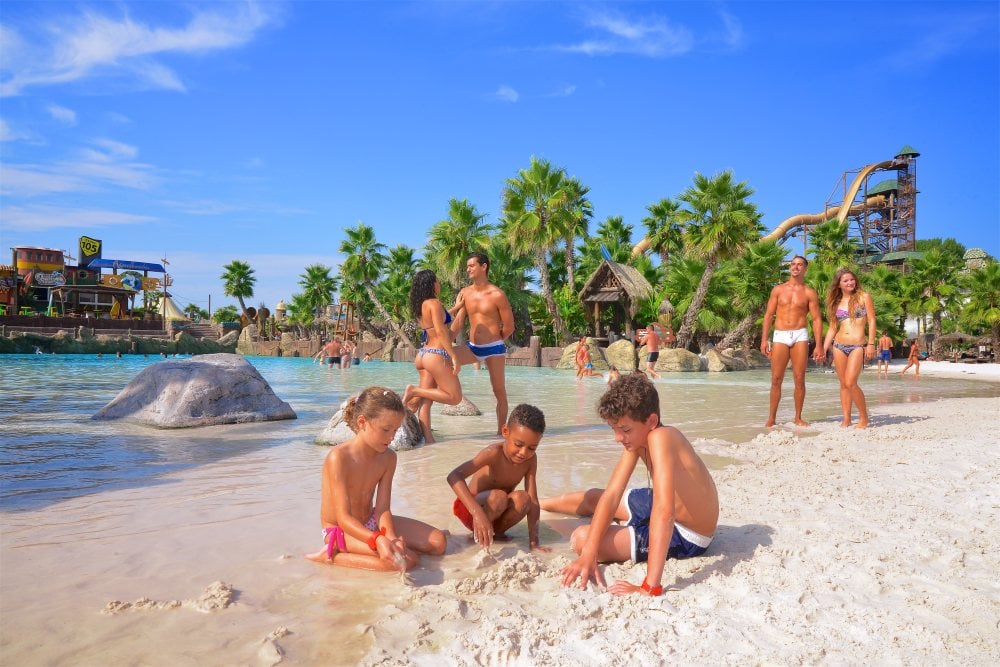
(257, 131)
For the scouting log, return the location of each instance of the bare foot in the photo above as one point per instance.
(802, 422)
(769, 423)
(862, 423)
(318, 557)
(845, 424)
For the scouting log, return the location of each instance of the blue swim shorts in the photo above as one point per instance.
(481, 352)
(684, 543)
(885, 355)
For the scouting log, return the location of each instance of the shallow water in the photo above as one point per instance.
(51, 450)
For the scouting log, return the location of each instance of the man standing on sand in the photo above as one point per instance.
(652, 350)
(787, 308)
(491, 322)
(884, 353)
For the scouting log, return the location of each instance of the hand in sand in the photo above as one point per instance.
(482, 529)
(586, 569)
(626, 588)
(392, 552)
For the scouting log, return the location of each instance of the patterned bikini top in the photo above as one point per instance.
(859, 312)
(447, 320)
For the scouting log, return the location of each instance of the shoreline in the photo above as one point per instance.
(883, 551)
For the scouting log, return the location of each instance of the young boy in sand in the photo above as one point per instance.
(488, 503)
(358, 527)
(676, 518)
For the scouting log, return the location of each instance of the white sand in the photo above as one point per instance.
(875, 547)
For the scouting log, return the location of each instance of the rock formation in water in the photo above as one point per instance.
(206, 390)
(337, 432)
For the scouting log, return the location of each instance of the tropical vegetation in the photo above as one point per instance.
(700, 250)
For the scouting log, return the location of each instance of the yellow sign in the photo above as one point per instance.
(89, 246)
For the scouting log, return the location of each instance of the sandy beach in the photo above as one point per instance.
(835, 546)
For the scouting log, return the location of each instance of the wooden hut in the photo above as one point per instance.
(614, 283)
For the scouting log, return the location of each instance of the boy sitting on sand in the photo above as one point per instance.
(488, 504)
(358, 532)
(677, 517)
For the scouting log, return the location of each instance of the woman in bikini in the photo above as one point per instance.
(359, 530)
(852, 332)
(436, 361)
(913, 359)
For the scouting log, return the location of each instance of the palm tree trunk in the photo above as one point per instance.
(385, 315)
(741, 330)
(570, 261)
(550, 300)
(684, 335)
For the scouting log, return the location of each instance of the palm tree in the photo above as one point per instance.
(451, 240)
(394, 290)
(719, 224)
(300, 313)
(830, 246)
(579, 210)
(750, 282)
(665, 229)
(238, 281)
(681, 284)
(195, 312)
(615, 237)
(509, 272)
(933, 286)
(983, 306)
(362, 266)
(319, 287)
(535, 219)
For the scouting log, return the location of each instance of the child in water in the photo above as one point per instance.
(358, 527)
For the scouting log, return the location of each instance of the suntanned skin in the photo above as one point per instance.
(683, 491)
(912, 360)
(787, 308)
(490, 319)
(652, 345)
(354, 474)
(884, 343)
(852, 331)
(493, 475)
(331, 349)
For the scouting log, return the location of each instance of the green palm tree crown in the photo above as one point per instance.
(451, 240)
(665, 228)
(318, 286)
(238, 281)
(982, 309)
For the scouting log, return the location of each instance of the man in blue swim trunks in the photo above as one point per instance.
(491, 322)
(884, 354)
(676, 518)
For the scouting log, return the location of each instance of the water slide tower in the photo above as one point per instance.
(883, 215)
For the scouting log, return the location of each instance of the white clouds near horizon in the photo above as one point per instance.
(91, 44)
(40, 218)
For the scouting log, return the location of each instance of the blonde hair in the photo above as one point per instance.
(834, 295)
(370, 403)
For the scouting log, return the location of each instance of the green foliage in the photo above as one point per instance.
(196, 313)
(830, 246)
(981, 314)
(238, 281)
(571, 310)
(226, 314)
(947, 246)
(451, 240)
(319, 287)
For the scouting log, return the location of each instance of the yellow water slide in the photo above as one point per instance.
(801, 219)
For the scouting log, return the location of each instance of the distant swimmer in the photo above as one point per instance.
(787, 308)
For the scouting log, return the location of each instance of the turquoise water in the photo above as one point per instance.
(51, 450)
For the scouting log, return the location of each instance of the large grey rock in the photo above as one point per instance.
(338, 432)
(208, 389)
(621, 355)
(465, 408)
(716, 361)
(673, 360)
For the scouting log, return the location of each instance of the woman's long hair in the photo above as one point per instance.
(834, 295)
(421, 290)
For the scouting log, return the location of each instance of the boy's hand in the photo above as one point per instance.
(625, 588)
(482, 529)
(586, 569)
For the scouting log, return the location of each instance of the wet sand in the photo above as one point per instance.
(844, 547)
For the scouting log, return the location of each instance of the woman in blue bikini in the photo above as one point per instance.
(852, 332)
(436, 361)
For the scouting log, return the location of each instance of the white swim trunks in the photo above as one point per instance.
(790, 338)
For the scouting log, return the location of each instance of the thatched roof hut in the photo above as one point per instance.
(614, 283)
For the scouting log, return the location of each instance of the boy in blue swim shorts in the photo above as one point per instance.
(675, 518)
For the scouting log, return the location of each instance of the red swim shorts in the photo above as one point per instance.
(462, 513)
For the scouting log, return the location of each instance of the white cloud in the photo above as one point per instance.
(117, 148)
(40, 218)
(563, 91)
(506, 94)
(91, 45)
(653, 37)
(33, 180)
(7, 133)
(732, 35)
(62, 114)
